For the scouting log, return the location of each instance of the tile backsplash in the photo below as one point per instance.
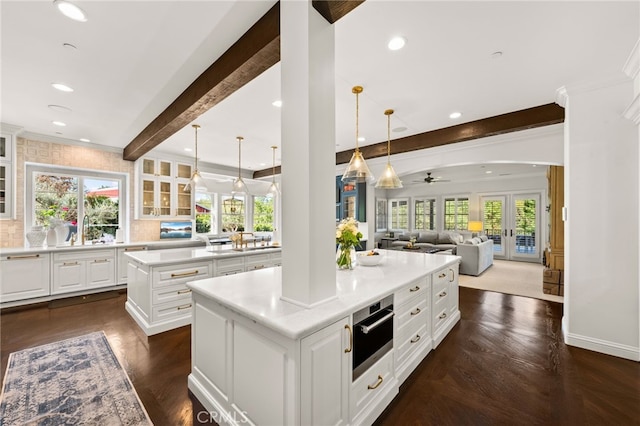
(12, 231)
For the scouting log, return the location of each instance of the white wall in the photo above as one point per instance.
(601, 196)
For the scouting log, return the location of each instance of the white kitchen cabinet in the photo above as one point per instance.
(373, 391)
(324, 398)
(160, 189)
(444, 305)
(123, 261)
(158, 298)
(81, 270)
(229, 266)
(24, 276)
(412, 337)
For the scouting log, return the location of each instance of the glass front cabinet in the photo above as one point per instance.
(161, 189)
(6, 176)
(351, 200)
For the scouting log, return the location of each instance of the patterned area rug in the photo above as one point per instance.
(77, 381)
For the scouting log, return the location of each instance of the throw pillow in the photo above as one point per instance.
(469, 241)
(427, 237)
(484, 238)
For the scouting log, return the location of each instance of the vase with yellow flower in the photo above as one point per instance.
(347, 237)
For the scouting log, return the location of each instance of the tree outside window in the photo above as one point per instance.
(456, 214)
(204, 213)
(263, 214)
(425, 214)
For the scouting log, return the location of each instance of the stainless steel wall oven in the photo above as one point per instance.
(372, 334)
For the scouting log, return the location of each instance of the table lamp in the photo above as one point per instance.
(475, 226)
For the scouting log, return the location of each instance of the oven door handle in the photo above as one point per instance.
(367, 328)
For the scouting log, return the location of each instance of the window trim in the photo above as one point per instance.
(32, 168)
(434, 210)
(390, 216)
(456, 198)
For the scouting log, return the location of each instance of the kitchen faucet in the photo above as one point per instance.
(85, 228)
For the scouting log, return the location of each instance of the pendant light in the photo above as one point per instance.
(389, 178)
(357, 169)
(196, 180)
(238, 184)
(273, 188)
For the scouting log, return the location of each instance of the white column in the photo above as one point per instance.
(602, 227)
(308, 154)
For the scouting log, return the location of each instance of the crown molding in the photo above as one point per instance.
(10, 129)
(632, 66)
(602, 82)
(633, 111)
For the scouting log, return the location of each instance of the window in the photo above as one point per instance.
(381, 215)
(456, 214)
(399, 214)
(425, 214)
(205, 211)
(68, 195)
(232, 215)
(263, 213)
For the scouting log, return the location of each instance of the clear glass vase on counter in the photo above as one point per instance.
(346, 257)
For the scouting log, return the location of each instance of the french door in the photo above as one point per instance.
(512, 221)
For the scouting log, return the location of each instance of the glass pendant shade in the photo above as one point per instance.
(357, 170)
(196, 180)
(238, 184)
(389, 178)
(273, 188)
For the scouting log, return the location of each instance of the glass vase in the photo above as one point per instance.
(345, 257)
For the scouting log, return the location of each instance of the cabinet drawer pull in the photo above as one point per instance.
(442, 315)
(415, 339)
(378, 383)
(453, 275)
(184, 291)
(185, 274)
(443, 294)
(442, 275)
(184, 307)
(101, 261)
(258, 267)
(348, 327)
(416, 312)
(28, 256)
(416, 288)
(135, 249)
(69, 263)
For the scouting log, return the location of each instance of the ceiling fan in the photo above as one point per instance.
(430, 179)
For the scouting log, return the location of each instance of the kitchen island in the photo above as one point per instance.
(260, 360)
(157, 296)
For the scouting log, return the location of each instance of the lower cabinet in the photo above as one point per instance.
(77, 271)
(445, 312)
(324, 398)
(24, 276)
(157, 296)
(123, 261)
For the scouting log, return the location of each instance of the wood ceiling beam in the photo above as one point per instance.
(255, 52)
(543, 115)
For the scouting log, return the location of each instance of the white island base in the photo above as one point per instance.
(259, 360)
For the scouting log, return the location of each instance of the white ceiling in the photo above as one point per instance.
(133, 58)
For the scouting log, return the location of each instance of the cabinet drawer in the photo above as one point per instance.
(441, 298)
(170, 294)
(411, 319)
(86, 254)
(440, 280)
(181, 274)
(230, 263)
(374, 382)
(171, 310)
(229, 271)
(257, 259)
(410, 343)
(415, 289)
(440, 316)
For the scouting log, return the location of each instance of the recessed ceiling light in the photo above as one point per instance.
(277, 103)
(59, 123)
(488, 172)
(399, 129)
(188, 149)
(59, 108)
(397, 43)
(70, 10)
(455, 115)
(62, 87)
(85, 140)
(361, 139)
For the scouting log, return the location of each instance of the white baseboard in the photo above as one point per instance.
(602, 346)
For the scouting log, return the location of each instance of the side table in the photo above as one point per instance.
(384, 241)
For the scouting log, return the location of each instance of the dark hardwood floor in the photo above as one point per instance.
(504, 363)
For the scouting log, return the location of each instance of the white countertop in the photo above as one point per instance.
(182, 255)
(256, 294)
(150, 244)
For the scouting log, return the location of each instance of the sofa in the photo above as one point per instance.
(476, 255)
(445, 240)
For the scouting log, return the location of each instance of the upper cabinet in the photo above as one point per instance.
(6, 176)
(351, 200)
(160, 189)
